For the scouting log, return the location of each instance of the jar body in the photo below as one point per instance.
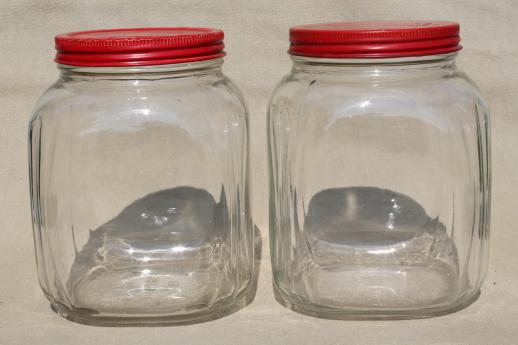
(379, 188)
(139, 189)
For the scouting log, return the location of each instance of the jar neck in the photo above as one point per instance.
(378, 66)
(179, 70)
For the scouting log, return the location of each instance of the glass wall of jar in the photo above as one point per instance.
(139, 179)
(379, 173)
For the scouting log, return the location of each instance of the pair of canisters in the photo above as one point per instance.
(379, 176)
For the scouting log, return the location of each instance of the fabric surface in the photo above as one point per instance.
(256, 43)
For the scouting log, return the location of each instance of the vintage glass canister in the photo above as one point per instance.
(139, 181)
(379, 173)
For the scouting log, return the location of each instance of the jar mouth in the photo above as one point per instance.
(407, 60)
(191, 66)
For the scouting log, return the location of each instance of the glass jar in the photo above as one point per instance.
(379, 173)
(139, 179)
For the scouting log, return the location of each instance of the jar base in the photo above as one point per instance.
(93, 318)
(370, 314)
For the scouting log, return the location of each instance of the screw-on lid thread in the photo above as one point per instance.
(383, 39)
(138, 47)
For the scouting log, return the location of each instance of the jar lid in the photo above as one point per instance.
(383, 39)
(138, 47)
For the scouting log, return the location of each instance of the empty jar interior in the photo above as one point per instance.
(376, 207)
(140, 195)
(376, 247)
(164, 253)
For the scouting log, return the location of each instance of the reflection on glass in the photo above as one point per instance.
(162, 252)
(367, 243)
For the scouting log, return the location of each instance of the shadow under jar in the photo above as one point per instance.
(379, 173)
(139, 181)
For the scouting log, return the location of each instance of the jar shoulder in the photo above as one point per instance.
(327, 91)
(318, 104)
(183, 97)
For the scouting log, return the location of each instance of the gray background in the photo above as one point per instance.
(256, 42)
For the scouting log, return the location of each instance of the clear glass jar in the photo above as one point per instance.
(379, 175)
(139, 180)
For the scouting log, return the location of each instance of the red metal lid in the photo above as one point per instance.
(384, 39)
(138, 47)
